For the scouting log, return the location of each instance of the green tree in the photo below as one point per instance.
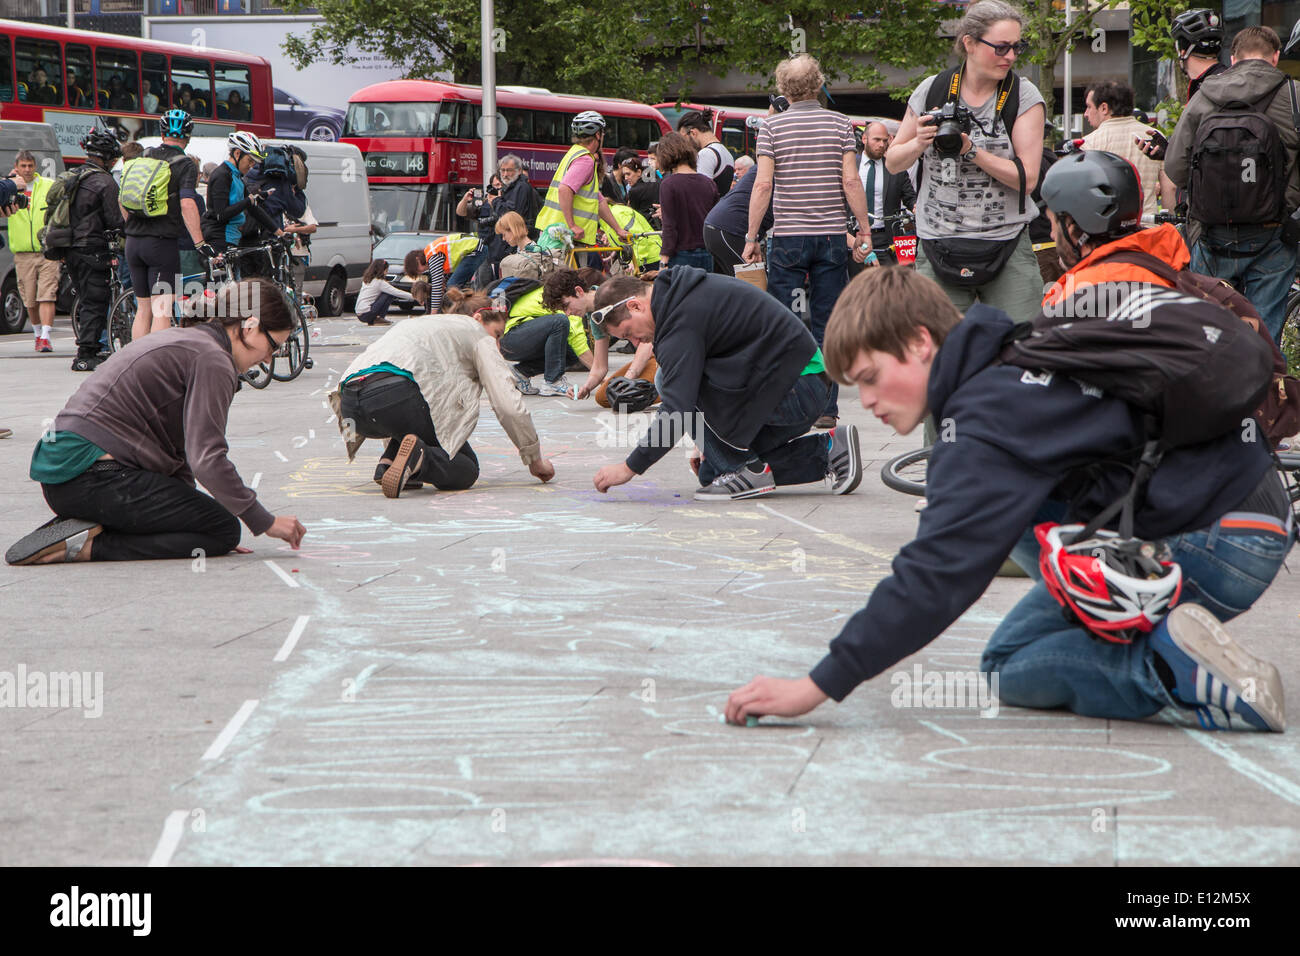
(1149, 28)
(644, 51)
(1049, 38)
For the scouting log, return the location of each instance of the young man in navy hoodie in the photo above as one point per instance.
(1032, 447)
(740, 373)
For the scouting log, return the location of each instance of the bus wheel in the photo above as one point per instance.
(330, 301)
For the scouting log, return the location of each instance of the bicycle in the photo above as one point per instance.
(297, 345)
(907, 472)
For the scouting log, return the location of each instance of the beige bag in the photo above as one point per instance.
(755, 273)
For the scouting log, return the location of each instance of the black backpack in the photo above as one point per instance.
(1238, 170)
(511, 290)
(1195, 370)
(55, 236)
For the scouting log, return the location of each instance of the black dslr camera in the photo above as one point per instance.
(11, 195)
(953, 120)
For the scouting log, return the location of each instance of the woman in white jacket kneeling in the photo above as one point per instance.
(419, 387)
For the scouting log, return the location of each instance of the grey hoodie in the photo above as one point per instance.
(1248, 81)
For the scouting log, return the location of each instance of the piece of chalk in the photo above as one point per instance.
(751, 721)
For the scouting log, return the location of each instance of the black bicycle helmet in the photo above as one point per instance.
(1098, 190)
(1198, 31)
(630, 394)
(101, 142)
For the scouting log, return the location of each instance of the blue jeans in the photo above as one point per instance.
(783, 442)
(378, 309)
(823, 261)
(539, 345)
(1263, 276)
(1045, 661)
(467, 267)
(700, 258)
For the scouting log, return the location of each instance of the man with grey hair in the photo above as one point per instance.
(518, 195)
(810, 153)
(742, 166)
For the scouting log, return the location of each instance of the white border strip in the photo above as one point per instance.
(773, 511)
(280, 571)
(232, 728)
(289, 642)
(173, 830)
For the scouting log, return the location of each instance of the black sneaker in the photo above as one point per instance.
(406, 463)
(86, 363)
(844, 459)
(734, 485)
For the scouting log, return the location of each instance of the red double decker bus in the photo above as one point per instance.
(422, 148)
(737, 126)
(74, 79)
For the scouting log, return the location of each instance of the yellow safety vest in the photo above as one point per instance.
(586, 201)
(454, 247)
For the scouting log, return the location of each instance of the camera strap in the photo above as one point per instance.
(946, 87)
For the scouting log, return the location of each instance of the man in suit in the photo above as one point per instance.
(887, 192)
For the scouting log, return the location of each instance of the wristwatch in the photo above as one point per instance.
(970, 156)
(751, 238)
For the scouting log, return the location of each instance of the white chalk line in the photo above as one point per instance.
(801, 524)
(257, 480)
(232, 728)
(292, 640)
(280, 571)
(281, 456)
(1278, 785)
(173, 830)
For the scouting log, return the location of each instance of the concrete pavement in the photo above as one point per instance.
(534, 673)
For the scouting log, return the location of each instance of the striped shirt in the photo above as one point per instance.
(807, 143)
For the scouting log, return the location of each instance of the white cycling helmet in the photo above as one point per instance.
(588, 123)
(245, 142)
(1115, 587)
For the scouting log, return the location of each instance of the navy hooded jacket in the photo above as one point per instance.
(1018, 439)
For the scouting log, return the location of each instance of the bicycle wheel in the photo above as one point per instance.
(906, 473)
(120, 320)
(293, 355)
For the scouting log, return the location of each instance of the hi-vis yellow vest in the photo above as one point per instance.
(454, 246)
(586, 201)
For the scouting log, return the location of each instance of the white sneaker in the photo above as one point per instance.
(560, 386)
(522, 381)
(920, 504)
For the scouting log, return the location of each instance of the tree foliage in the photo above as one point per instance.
(644, 51)
(1150, 24)
(1049, 38)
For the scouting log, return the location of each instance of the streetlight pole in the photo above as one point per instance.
(488, 124)
(1069, 74)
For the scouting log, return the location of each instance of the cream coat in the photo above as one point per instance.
(453, 361)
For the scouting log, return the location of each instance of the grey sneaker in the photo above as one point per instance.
(845, 460)
(735, 485)
(522, 381)
(560, 387)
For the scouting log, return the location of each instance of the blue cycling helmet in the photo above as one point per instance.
(177, 124)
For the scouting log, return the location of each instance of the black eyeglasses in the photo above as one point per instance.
(1002, 49)
(275, 346)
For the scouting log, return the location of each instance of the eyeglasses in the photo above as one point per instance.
(599, 316)
(1002, 49)
(275, 346)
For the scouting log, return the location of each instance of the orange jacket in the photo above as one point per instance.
(1163, 242)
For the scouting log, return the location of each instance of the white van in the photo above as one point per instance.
(338, 196)
(43, 142)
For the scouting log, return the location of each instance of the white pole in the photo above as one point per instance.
(1069, 76)
(488, 126)
(71, 20)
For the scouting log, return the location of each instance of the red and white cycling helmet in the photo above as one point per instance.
(1116, 587)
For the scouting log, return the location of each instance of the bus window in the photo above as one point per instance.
(6, 71)
(636, 133)
(153, 83)
(78, 80)
(119, 80)
(467, 117)
(232, 93)
(733, 137)
(40, 71)
(519, 125)
(550, 128)
(192, 86)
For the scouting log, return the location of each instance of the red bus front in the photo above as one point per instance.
(422, 147)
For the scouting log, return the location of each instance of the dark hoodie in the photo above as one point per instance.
(725, 349)
(1019, 439)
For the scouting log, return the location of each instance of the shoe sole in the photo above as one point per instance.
(394, 479)
(855, 462)
(738, 496)
(46, 539)
(1198, 634)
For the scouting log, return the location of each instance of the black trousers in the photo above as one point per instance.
(392, 406)
(145, 515)
(727, 250)
(92, 275)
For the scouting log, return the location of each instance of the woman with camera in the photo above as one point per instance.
(977, 132)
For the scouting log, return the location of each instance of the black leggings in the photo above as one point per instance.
(391, 406)
(145, 515)
(727, 250)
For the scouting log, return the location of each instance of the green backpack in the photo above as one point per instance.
(145, 184)
(55, 236)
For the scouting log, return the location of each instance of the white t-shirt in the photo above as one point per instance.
(712, 159)
(957, 198)
(878, 209)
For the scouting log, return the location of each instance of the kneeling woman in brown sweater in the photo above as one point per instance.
(120, 464)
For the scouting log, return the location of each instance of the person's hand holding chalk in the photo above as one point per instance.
(612, 475)
(543, 469)
(771, 695)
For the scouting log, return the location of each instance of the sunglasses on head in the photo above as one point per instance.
(1002, 49)
(599, 316)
